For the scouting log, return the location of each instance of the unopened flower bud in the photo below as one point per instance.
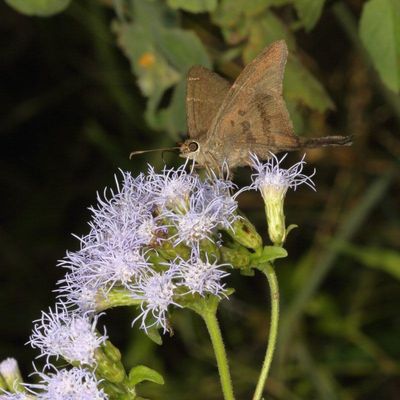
(11, 375)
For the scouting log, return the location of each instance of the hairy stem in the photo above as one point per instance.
(269, 271)
(214, 331)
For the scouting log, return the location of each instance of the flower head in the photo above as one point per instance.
(69, 335)
(199, 276)
(157, 294)
(171, 188)
(73, 384)
(273, 183)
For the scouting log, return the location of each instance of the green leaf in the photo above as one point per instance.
(384, 259)
(269, 253)
(182, 49)
(142, 373)
(173, 118)
(153, 72)
(194, 6)
(154, 335)
(380, 33)
(41, 8)
(309, 12)
(263, 31)
(301, 86)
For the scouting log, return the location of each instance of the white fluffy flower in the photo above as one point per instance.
(73, 384)
(273, 182)
(199, 276)
(69, 335)
(156, 292)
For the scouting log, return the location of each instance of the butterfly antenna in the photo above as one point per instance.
(134, 153)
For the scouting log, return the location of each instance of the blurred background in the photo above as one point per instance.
(84, 83)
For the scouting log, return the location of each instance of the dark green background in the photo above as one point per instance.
(71, 114)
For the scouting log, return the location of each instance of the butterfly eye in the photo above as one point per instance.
(193, 146)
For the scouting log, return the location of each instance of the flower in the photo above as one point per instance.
(76, 293)
(73, 384)
(171, 189)
(200, 276)
(273, 183)
(69, 335)
(9, 371)
(15, 396)
(157, 293)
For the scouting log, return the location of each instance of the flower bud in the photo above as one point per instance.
(245, 233)
(11, 375)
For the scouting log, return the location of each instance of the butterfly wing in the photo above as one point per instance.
(253, 116)
(205, 93)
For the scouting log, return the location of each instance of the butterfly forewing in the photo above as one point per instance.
(204, 95)
(254, 111)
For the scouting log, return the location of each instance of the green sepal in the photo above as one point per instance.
(290, 228)
(201, 304)
(142, 373)
(119, 391)
(268, 254)
(237, 256)
(168, 251)
(3, 384)
(154, 335)
(109, 365)
(245, 233)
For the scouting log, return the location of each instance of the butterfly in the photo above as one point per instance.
(227, 123)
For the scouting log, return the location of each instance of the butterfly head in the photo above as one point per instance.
(191, 149)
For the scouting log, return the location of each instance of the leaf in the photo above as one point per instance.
(173, 118)
(380, 32)
(300, 85)
(263, 31)
(154, 335)
(194, 6)
(182, 49)
(41, 8)
(160, 54)
(270, 253)
(309, 12)
(387, 260)
(142, 373)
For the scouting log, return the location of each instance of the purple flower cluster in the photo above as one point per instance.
(133, 225)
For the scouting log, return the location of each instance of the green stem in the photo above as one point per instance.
(211, 322)
(269, 271)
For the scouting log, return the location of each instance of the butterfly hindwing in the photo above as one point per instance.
(253, 116)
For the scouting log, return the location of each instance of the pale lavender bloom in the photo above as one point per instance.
(73, 384)
(15, 396)
(157, 293)
(78, 294)
(272, 180)
(202, 277)
(171, 188)
(217, 192)
(69, 335)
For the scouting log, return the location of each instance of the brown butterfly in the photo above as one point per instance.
(227, 123)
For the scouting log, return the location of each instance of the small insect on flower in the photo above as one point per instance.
(69, 335)
(73, 384)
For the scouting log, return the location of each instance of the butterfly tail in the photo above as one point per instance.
(310, 143)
